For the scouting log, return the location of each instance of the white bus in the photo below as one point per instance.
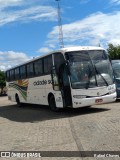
(69, 77)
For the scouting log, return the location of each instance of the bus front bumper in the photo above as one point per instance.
(94, 100)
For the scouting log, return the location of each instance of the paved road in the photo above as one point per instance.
(36, 128)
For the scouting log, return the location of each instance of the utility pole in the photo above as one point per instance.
(60, 26)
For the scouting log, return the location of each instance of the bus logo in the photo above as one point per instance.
(5, 154)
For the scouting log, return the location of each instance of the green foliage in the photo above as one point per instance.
(114, 51)
(2, 80)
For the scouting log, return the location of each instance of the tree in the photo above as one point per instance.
(113, 51)
(2, 81)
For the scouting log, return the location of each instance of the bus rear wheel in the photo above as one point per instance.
(52, 104)
(18, 101)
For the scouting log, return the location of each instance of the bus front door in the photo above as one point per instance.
(65, 86)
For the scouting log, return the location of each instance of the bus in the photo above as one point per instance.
(70, 77)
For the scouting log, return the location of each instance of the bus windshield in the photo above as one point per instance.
(89, 69)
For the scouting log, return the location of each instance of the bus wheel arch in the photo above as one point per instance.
(17, 100)
(52, 103)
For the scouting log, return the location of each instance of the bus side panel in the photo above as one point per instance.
(11, 94)
(13, 89)
(57, 94)
(36, 91)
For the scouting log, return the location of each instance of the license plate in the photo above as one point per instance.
(98, 100)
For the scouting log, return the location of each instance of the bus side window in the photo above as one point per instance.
(23, 72)
(12, 75)
(17, 73)
(30, 70)
(38, 67)
(48, 64)
(58, 60)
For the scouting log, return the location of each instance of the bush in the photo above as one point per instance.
(114, 51)
(2, 82)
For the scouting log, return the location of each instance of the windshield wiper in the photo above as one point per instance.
(101, 75)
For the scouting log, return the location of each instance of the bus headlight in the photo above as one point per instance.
(79, 96)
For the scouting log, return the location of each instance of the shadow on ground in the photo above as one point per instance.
(37, 113)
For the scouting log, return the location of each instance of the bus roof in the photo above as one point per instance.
(62, 50)
(69, 49)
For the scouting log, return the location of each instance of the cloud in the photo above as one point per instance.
(44, 50)
(92, 30)
(84, 1)
(8, 3)
(10, 58)
(50, 47)
(25, 12)
(115, 2)
(115, 41)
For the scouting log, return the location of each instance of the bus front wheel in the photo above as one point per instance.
(52, 104)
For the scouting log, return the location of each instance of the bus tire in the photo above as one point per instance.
(18, 100)
(52, 104)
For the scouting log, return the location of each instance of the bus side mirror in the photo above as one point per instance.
(55, 80)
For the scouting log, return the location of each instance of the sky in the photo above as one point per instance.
(29, 28)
